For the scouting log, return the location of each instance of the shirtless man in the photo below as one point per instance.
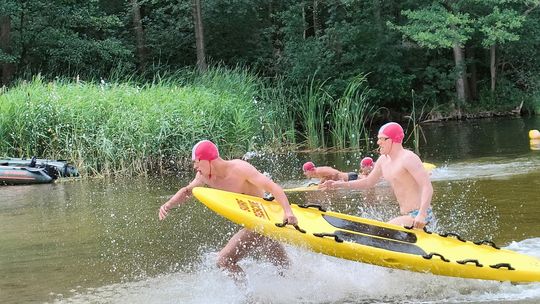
(236, 176)
(404, 171)
(327, 173)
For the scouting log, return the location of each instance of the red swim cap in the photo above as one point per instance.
(393, 131)
(309, 166)
(366, 162)
(204, 150)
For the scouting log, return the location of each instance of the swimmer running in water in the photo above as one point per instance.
(366, 166)
(236, 176)
(325, 173)
(404, 171)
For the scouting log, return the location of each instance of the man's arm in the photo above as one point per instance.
(414, 165)
(180, 197)
(261, 181)
(364, 183)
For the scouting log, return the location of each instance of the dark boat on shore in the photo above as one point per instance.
(16, 171)
(10, 175)
(62, 167)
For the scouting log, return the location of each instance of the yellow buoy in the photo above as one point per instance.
(534, 134)
(535, 144)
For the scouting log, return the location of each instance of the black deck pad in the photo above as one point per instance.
(388, 233)
(379, 243)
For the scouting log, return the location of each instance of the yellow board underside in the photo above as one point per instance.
(261, 216)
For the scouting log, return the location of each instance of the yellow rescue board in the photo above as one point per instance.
(303, 189)
(373, 242)
(429, 166)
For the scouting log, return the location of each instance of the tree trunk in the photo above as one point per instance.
(199, 35)
(473, 79)
(493, 67)
(139, 35)
(7, 68)
(459, 59)
(304, 18)
(316, 20)
(377, 16)
(276, 36)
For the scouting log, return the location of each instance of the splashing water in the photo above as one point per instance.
(312, 278)
(485, 168)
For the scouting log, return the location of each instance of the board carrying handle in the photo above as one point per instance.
(490, 243)
(336, 238)
(319, 207)
(285, 223)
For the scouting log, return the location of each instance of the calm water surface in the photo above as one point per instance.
(99, 240)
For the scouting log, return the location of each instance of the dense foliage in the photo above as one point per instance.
(324, 69)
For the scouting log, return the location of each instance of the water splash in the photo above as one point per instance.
(485, 168)
(312, 278)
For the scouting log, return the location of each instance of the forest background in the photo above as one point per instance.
(128, 86)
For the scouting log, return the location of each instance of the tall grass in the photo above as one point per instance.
(310, 105)
(350, 115)
(132, 127)
(124, 128)
(417, 130)
(277, 120)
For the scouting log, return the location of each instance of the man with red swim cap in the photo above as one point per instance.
(406, 174)
(325, 173)
(236, 176)
(366, 166)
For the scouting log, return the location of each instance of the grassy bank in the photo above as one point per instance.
(129, 129)
(123, 127)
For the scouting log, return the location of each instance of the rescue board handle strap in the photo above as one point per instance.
(412, 226)
(454, 235)
(336, 238)
(463, 262)
(432, 254)
(285, 223)
(500, 265)
(321, 208)
(490, 243)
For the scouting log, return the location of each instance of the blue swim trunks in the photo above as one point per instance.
(352, 176)
(429, 217)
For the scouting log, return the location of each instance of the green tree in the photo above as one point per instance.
(441, 25)
(7, 59)
(496, 28)
(62, 37)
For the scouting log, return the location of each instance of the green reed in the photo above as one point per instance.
(132, 127)
(310, 106)
(277, 121)
(125, 128)
(350, 114)
(417, 130)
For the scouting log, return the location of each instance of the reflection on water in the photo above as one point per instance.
(99, 240)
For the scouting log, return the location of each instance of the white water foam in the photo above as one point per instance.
(488, 168)
(312, 278)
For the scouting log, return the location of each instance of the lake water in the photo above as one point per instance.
(99, 240)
